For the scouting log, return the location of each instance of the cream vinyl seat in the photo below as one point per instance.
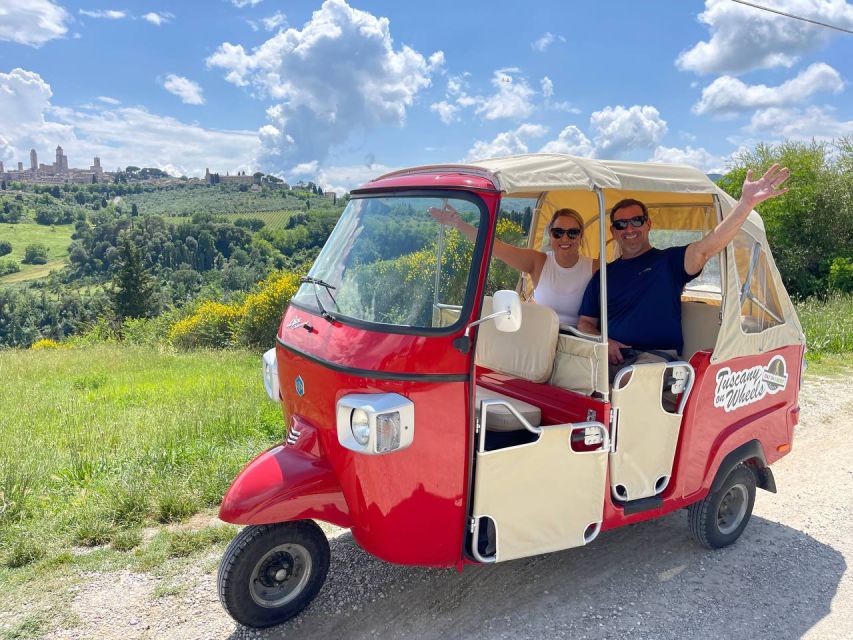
(527, 353)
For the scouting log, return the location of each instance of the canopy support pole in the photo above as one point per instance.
(602, 271)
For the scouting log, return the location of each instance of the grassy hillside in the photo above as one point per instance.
(55, 238)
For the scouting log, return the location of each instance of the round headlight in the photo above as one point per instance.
(360, 425)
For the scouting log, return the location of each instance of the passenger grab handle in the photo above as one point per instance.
(484, 413)
(594, 432)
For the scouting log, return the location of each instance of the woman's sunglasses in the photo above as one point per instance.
(558, 233)
(636, 222)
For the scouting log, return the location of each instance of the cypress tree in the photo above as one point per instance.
(133, 289)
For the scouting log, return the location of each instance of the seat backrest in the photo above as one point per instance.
(527, 353)
(700, 324)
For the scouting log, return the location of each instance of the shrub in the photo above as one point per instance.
(212, 325)
(8, 266)
(841, 275)
(262, 309)
(173, 504)
(35, 254)
(47, 344)
(22, 551)
(126, 539)
(5, 247)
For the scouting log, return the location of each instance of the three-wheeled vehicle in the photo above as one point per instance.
(445, 422)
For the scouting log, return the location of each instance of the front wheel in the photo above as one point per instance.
(719, 519)
(271, 572)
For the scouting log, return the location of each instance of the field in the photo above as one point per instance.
(828, 325)
(55, 238)
(215, 200)
(273, 219)
(99, 442)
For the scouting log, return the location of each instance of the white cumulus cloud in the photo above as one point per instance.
(345, 178)
(32, 22)
(547, 87)
(506, 143)
(188, 91)
(106, 14)
(700, 158)
(446, 111)
(158, 19)
(727, 94)
(512, 98)
(799, 123)
(276, 21)
(119, 136)
(246, 3)
(619, 129)
(109, 100)
(744, 38)
(337, 75)
(571, 141)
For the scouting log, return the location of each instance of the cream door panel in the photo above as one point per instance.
(645, 438)
(541, 496)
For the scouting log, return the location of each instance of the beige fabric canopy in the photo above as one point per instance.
(679, 198)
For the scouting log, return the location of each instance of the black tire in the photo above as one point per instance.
(271, 572)
(719, 519)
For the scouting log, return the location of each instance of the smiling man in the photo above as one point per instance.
(644, 285)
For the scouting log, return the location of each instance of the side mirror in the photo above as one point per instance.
(508, 305)
(506, 312)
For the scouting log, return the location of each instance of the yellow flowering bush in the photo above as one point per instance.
(212, 325)
(263, 308)
(254, 322)
(47, 343)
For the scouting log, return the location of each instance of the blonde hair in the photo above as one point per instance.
(574, 215)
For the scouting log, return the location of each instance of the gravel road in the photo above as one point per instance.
(787, 577)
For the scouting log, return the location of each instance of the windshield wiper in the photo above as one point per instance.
(322, 283)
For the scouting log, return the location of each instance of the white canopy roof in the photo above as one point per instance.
(538, 172)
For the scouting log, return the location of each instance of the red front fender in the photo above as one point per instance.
(285, 483)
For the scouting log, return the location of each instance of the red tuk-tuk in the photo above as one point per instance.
(445, 422)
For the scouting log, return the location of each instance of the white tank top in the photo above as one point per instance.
(562, 288)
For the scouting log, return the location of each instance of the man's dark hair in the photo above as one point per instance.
(628, 202)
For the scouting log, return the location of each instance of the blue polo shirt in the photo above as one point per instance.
(643, 299)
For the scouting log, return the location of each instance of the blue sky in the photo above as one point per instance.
(339, 92)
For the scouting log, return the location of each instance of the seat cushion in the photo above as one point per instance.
(500, 418)
(527, 353)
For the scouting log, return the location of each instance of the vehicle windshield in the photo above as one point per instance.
(388, 261)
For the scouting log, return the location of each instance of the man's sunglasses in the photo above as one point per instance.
(636, 222)
(558, 233)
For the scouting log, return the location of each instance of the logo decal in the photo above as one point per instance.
(300, 386)
(737, 389)
(295, 323)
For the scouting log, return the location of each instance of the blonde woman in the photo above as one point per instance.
(559, 275)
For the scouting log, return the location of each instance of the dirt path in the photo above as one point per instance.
(787, 577)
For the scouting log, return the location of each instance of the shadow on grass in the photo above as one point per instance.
(648, 580)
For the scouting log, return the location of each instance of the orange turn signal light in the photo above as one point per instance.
(783, 448)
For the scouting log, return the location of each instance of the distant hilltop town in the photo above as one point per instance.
(57, 172)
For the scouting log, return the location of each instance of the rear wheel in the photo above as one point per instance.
(719, 519)
(269, 573)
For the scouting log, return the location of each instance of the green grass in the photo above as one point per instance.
(56, 239)
(828, 325)
(99, 441)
